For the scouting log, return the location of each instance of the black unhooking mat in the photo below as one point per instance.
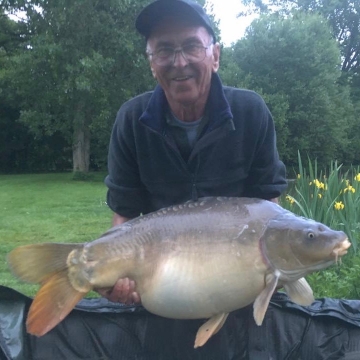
(97, 329)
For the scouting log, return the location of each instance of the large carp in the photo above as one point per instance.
(200, 259)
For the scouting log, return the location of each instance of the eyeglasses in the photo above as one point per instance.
(192, 53)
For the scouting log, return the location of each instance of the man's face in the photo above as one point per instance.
(184, 83)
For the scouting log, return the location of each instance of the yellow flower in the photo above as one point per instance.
(357, 177)
(298, 176)
(319, 184)
(339, 205)
(290, 199)
(349, 188)
(319, 196)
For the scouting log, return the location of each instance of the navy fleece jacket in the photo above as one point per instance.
(236, 155)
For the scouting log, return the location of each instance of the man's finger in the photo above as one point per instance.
(135, 298)
(117, 293)
(123, 292)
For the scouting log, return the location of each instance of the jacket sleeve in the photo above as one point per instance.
(126, 194)
(267, 174)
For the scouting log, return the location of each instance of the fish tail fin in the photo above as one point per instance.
(36, 263)
(47, 264)
(54, 301)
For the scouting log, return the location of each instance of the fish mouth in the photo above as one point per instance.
(341, 249)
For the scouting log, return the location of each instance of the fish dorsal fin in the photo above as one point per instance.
(210, 328)
(300, 292)
(262, 301)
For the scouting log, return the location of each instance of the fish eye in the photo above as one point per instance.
(311, 235)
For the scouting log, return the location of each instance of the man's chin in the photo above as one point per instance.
(185, 98)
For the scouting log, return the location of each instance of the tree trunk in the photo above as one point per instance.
(81, 150)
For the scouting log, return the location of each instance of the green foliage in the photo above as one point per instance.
(80, 63)
(342, 15)
(20, 151)
(329, 196)
(343, 18)
(295, 64)
(340, 281)
(332, 197)
(65, 71)
(230, 71)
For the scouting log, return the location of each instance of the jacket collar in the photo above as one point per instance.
(217, 107)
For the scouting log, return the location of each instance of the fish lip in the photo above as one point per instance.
(341, 249)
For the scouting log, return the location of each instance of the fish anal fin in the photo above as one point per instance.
(210, 328)
(262, 301)
(55, 299)
(300, 292)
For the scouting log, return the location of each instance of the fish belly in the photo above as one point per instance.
(186, 287)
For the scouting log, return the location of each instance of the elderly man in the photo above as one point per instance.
(190, 137)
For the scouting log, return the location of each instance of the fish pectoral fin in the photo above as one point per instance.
(262, 301)
(300, 292)
(55, 299)
(210, 328)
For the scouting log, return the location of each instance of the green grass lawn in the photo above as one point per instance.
(40, 208)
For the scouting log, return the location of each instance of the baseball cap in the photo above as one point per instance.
(155, 12)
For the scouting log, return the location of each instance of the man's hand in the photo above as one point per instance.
(119, 219)
(122, 292)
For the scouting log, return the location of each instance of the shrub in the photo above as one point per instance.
(329, 196)
(333, 198)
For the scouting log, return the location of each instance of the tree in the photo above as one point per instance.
(343, 16)
(81, 62)
(14, 137)
(295, 64)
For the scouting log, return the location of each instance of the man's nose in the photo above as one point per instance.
(179, 59)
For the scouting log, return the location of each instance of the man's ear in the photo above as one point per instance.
(216, 57)
(153, 72)
(148, 51)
